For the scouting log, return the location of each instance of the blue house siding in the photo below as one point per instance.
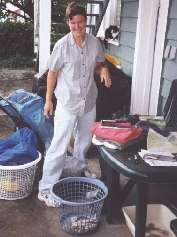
(128, 23)
(169, 72)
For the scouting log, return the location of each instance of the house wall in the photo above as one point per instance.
(169, 71)
(128, 22)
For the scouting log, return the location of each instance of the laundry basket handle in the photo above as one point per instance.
(57, 200)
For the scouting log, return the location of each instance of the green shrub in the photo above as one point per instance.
(9, 27)
(17, 39)
(17, 61)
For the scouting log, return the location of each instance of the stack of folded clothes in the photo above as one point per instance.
(116, 134)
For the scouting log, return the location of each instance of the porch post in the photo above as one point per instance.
(144, 56)
(158, 57)
(44, 32)
(36, 29)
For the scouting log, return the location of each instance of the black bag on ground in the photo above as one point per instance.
(40, 85)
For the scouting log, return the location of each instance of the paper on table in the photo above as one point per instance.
(146, 152)
(156, 142)
(158, 158)
(160, 163)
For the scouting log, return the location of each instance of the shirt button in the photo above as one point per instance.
(83, 75)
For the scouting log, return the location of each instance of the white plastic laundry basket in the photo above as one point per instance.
(16, 182)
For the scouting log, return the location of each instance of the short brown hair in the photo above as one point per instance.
(73, 9)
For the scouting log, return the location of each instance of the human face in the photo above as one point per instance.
(77, 26)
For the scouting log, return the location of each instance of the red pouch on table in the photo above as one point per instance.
(124, 134)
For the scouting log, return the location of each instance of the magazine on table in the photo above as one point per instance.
(115, 124)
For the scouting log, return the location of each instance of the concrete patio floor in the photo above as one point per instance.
(31, 218)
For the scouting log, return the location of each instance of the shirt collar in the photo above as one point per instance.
(72, 41)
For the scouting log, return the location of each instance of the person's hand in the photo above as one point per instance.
(48, 108)
(105, 77)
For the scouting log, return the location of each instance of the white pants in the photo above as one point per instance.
(64, 125)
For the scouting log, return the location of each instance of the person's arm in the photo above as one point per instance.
(51, 82)
(103, 71)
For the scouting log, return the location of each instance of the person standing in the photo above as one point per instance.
(72, 65)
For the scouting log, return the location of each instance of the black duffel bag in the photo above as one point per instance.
(40, 85)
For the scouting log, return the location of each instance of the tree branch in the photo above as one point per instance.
(9, 11)
(17, 4)
(27, 8)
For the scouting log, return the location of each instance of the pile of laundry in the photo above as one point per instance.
(19, 148)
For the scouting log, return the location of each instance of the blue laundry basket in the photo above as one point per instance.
(80, 201)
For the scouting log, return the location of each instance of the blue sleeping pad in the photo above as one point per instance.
(30, 106)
